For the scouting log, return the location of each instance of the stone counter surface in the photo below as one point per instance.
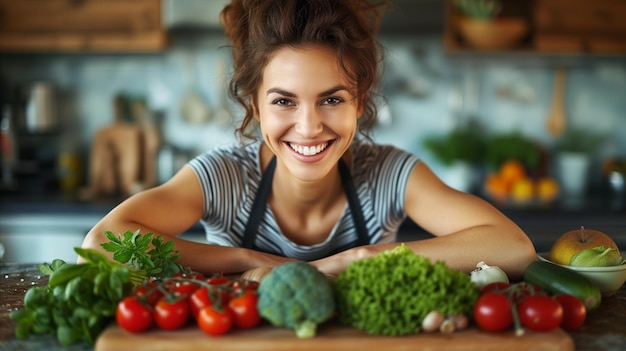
(603, 330)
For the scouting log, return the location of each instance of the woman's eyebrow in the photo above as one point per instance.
(290, 94)
(279, 91)
(333, 90)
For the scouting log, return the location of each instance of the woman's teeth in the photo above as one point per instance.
(309, 150)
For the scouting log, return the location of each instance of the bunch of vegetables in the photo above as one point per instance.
(394, 292)
(81, 299)
(143, 286)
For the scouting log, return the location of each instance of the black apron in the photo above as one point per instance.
(265, 187)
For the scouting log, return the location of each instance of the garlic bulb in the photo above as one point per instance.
(485, 274)
(432, 321)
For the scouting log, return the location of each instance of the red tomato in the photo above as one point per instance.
(199, 300)
(132, 315)
(170, 315)
(540, 313)
(492, 312)
(494, 287)
(244, 309)
(204, 297)
(221, 280)
(148, 293)
(215, 322)
(186, 287)
(574, 311)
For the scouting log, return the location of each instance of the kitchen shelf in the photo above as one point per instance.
(81, 26)
(556, 27)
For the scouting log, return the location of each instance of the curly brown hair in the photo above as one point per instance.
(257, 28)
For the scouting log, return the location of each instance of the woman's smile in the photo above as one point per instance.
(308, 150)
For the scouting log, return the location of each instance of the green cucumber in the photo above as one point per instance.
(560, 280)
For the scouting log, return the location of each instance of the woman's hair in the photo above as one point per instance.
(257, 28)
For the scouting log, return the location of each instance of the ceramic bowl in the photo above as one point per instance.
(498, 34)
(608, 279)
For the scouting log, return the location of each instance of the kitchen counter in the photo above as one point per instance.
(603, 329)
(63, 221)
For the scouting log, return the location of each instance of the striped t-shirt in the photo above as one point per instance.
(230, 175)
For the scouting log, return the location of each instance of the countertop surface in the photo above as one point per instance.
(543, 224)
(603, 329)
(598, 202)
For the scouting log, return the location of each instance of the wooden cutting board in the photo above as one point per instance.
(330, 336)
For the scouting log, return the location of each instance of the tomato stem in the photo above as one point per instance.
(519, 330)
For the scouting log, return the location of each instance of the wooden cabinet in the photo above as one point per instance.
(597, 26)
(81, 26)
(554, 26)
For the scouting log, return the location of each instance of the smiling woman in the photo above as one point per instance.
(311, 185)
(312, 110)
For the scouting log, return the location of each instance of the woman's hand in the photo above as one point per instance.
(331, 266)
(256, 274)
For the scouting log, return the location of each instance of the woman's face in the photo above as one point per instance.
(307, 111)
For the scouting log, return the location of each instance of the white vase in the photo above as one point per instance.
(573, 170)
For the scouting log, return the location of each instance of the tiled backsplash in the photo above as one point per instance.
(422, 85)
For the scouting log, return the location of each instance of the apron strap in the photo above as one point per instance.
(355, 205)
(259, 205)
(265, 187)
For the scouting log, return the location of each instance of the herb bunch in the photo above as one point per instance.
(133, 249)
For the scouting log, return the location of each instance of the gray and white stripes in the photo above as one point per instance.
(229, 177)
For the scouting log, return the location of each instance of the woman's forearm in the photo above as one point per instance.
(507, 248)
(200, 257)
(210, 259)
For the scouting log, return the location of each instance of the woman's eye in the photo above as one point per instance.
(332, 101)
(282, 102)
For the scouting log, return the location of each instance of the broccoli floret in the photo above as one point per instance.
(391, 293)
(298, 296)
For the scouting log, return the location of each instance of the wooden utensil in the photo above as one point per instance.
(115, 158)
(556, 122)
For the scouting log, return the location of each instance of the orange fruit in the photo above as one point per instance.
(523, 190)
(496, 187)
(547, 189)
(576, 240)
(512, 170)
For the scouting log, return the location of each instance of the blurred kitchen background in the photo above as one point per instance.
(103, 98)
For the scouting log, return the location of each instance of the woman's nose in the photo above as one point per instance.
(309, 122)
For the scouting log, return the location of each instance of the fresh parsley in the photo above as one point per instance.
(134, 249)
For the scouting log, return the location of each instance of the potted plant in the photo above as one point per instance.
(480, 25)
(459, 150)
(574, 153)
